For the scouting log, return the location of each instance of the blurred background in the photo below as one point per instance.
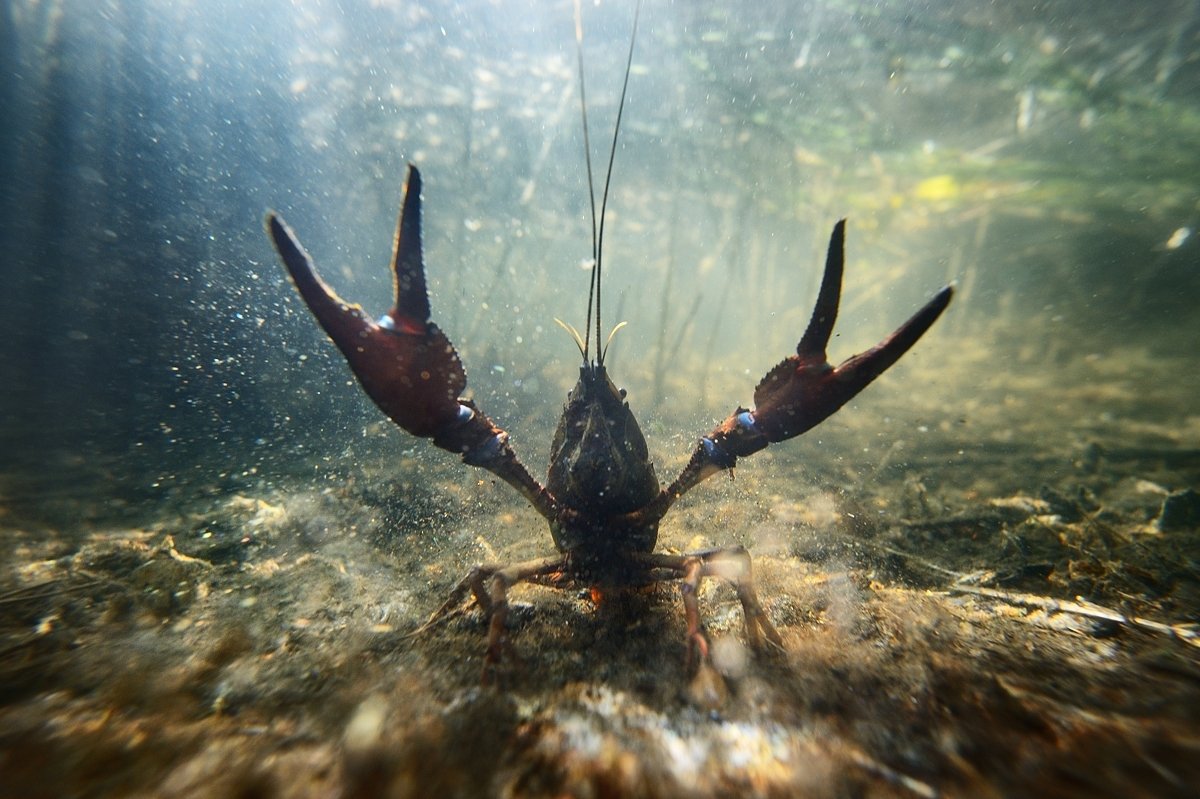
(1041, 154)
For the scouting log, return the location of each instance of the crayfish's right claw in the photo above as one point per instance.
(403, 361)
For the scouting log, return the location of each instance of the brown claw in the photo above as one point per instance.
(404, 362)
(803, 390)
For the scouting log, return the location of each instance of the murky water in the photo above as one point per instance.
(215, 547)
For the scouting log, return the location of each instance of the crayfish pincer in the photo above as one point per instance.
(602, 499)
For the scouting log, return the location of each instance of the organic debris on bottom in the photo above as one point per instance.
(261, 647)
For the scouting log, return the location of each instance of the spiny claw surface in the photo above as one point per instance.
(404, 362)
(803, 390)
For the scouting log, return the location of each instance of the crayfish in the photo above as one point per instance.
(602, 499)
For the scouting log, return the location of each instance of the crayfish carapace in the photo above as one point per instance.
(602, 499)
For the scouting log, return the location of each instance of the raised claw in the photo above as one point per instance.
(803, 390)
(403, 361)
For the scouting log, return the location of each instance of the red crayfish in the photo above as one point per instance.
(602, 499)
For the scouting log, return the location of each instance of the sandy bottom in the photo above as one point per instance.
(997, 595)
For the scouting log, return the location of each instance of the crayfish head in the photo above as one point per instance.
(599, 464)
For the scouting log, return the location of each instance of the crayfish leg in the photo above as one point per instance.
(707, 688)
(489, 584)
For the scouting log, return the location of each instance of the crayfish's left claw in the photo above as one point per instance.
(803, 390)
(403, 361)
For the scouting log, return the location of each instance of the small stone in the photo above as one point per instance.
(1180, 511)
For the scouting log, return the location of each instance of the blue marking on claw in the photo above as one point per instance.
(465, 414)
(487, 452)
(746, 420)
(717, 455)
(386, 322)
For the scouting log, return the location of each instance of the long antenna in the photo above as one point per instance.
(587, 155)
(598, 233)
(612, 156)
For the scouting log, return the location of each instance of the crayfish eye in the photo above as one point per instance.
(622, 392)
